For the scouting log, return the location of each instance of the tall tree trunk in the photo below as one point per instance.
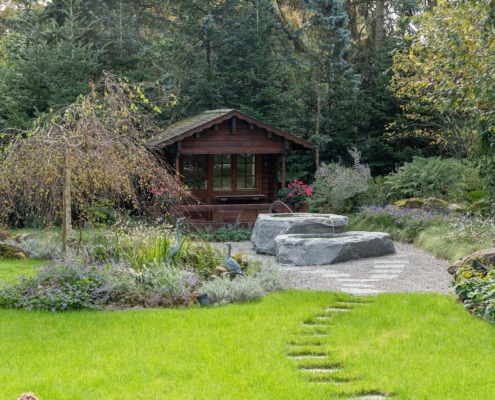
(379, 25)
(66, 200)
(318, 114)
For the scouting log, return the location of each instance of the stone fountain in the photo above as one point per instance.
(315, 239)
(269, 226)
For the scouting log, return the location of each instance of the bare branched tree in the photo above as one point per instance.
(89, 151)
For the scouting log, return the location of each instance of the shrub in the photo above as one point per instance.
(476, 290)
(246, 288)
(72, 285)
(433, 177)
(336, 186)
(4, 235)
(230, 233)
(35, 248)
(295, 192)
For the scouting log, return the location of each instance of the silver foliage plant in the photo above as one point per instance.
(269, 278)
(336, 183)
(35, 248)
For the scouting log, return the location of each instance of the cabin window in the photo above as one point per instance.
(246, 171)
(222, 171)
(194, 171)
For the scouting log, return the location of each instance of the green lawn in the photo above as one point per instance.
(10, 270)
(411, 346)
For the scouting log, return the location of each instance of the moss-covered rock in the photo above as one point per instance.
(11, 252)
(413, 202)
(436, 205)
(486, 257)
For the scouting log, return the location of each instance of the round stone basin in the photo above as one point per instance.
(324, 249)
(269, 226)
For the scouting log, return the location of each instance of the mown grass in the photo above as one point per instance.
(410, 346)
(10, 270)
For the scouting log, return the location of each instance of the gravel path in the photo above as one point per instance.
(409, 270)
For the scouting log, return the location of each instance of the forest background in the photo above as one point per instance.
(394, 79)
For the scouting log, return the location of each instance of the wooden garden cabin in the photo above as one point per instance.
(230, 162)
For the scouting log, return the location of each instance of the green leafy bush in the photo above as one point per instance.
(476, 290)
(433, 177)
(228, 234)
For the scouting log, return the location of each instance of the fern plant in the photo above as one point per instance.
(432, 177)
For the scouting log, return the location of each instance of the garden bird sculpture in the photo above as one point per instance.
(480, 267)
(230, 263)
(176, 247)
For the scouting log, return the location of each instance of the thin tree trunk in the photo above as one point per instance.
(318, 115)
(66, 200)
(379, 25)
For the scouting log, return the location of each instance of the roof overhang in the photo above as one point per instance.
(167, 140)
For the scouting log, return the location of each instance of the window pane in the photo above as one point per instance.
(226, 184)
(250, 182)
(241, 182)
(194, 170)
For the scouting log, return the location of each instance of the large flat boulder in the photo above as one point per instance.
(268, 226)
(330, 249)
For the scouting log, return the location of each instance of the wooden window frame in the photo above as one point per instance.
(233, 166)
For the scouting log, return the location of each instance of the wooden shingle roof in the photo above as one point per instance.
(189, 126)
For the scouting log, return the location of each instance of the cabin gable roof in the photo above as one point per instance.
(189, 126)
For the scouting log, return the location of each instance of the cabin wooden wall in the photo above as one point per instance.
(243, 141)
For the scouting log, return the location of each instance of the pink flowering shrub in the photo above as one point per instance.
(296, 192)
(163, 196)
(4, 235)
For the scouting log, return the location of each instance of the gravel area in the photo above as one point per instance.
(409, 270)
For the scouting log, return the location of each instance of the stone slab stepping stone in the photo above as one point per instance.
(304, 357)
(391, 262)
(370, 397)
(322, 249)
(320, 370)
(358, 285)
(268, 226)
(340, 275)
(361, 291)
(335, 309)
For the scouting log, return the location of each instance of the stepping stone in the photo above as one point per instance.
(335, 275)
(361, 291)
(314, 334)
(354, 302)
(385, 276)
(334, 309)
(320, 370)
(322, 271)
(323, 318)
(304, 357)
(358, 285)
(370, 397)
